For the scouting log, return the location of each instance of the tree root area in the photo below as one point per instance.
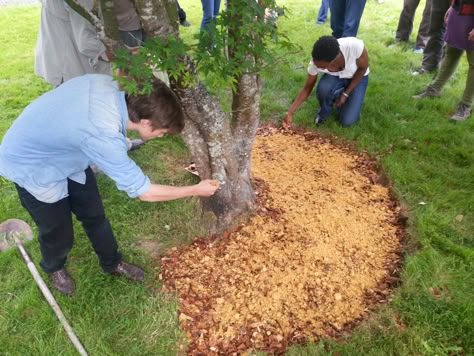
(322, 250)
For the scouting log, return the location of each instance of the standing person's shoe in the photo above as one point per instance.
(462, 113)
(418, 50)
(133, 273)
(135, 143)
(429, 92)
(62, 281)
(396, 42)
(421, 71)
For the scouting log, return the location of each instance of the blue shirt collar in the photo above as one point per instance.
(122, 105)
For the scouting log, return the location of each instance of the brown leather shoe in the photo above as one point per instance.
(62, 281)
(133, 273)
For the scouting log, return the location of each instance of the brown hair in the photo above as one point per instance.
(161, 107)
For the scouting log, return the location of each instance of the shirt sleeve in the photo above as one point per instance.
(357, 48)
(110, 155)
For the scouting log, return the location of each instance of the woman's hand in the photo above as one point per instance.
(341, 100)
(287, 121)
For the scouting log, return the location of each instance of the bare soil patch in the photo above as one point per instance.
(322, 250)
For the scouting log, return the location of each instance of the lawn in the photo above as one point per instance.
(429, 159)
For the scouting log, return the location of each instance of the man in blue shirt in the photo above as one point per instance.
(49, 148)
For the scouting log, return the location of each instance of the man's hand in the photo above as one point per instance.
(471, 35)
(206, 188)
(341, 100)
(287, 121)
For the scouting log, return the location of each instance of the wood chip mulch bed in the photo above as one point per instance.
(323, 249)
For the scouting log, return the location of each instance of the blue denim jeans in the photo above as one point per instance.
(323, 11)
(330, 87)
(345, 17)
(210, 10)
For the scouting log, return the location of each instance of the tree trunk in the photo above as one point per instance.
(220, 149)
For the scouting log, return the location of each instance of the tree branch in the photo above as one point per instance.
(110, 42)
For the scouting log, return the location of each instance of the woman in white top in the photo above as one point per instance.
(344, 63)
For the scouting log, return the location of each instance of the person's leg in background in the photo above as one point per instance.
(434, 48)
(447, 68)
(323, 12)
(353, 14)
(338, 13)
(405, 22)
(464, 108)
(349, 113)
(422, 36)
(217, 5)
(182, 16)
(210, 10)
(468, 96)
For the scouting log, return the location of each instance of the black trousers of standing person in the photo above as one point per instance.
(434, 48)
(405, 23)
(54, 221)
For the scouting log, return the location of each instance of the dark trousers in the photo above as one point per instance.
(345, 17)
(434, 48)
(54, 221)
(405, 23)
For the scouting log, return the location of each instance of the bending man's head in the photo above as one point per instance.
(161, 107)
(325, 49)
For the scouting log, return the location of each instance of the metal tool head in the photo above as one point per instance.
(11, 228)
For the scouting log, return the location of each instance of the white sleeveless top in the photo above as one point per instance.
(351, 48)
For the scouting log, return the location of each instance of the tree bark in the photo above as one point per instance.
(220, 149)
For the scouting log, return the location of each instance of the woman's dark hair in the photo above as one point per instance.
(161, 107)
(325, 49)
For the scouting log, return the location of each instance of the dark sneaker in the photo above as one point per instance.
(417, 50)
(318, 120)
(185, 23)
(462, 113)
(135, 144)
(62, 282)
(429, 92)
(133, 273)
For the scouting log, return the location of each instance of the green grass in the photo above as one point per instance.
(428, 158)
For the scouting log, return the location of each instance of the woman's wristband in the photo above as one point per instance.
(345, 94)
